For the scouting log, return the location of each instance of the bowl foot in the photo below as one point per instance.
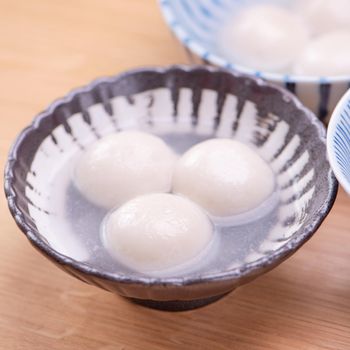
(177, 305)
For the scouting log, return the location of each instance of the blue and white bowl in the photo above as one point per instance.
(196, 23)
(338, 142)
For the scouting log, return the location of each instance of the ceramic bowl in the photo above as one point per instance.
(203, 102)
(338, 142)
(196, 23)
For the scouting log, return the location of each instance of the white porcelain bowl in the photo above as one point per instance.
(196, 23)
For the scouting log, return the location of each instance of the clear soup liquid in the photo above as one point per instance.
(77, 223)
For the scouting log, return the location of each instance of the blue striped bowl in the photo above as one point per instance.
(195, 24)
(338, 142)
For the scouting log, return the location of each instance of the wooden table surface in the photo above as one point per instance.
(49, 47)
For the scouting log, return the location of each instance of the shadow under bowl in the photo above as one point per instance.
(205, 103)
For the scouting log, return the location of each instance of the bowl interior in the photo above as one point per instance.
(184, 106)
(197, 24)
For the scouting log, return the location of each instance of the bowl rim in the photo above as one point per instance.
(268, 261)
(333, 123)
(200, 50)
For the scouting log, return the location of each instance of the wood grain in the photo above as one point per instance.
(48, 47)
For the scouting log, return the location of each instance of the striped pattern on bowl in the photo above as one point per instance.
(205, 101)
(196, 24)
(209, 114)
(338, 142)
